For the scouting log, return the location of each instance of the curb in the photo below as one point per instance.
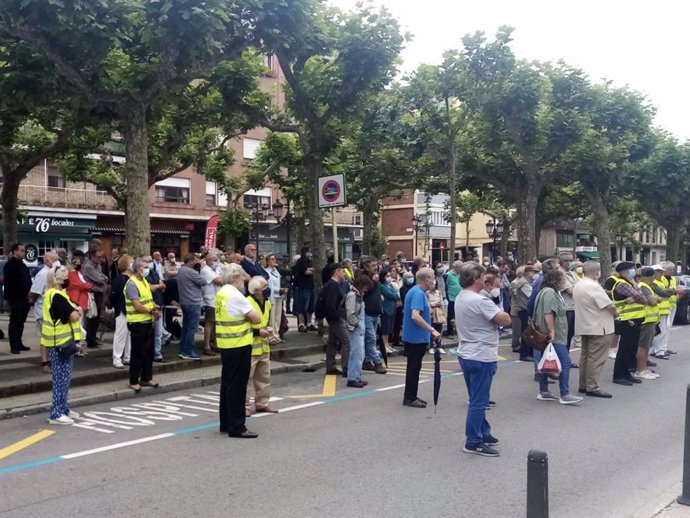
(125, 394)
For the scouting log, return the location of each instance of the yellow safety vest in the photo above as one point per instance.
(616, 279)
(672, 284)
(630, 311)
(665, 303)
(231, 332)
(56, 333)
(651, 313)
(145, 298)
(260, 344)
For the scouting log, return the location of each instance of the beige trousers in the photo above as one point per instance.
(595, 350)
(259, 381)
(275, 317)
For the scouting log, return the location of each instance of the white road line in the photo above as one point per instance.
(298, 407)
(117, 446)
(384, 389)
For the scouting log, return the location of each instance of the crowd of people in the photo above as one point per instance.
(367, 310)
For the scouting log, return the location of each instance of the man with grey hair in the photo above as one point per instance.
(189, 284)
(417, 333)
(594, 322)
(478, 321)
(38, 289)
(452, 290)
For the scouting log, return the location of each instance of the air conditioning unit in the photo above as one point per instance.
(358, 234)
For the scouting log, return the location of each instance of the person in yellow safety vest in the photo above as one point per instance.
(141, 312)
(630, 303)
(608, 286)
(234, 337)
(649, 325)
(260, 373)
(60, 326)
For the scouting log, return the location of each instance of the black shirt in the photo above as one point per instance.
(333, 300)
(61, 309)
(117, 294)
(17, 279)
(372, 301)
(304, 281)
(154, 279)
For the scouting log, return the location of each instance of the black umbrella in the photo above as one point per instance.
(437, 372)
(382, 350)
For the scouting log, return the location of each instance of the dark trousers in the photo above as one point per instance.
(234, 376)
(525, 351)
(450, 326)
(397, 327)
(570, 316)
(626, 358)
(93, 323)
(19, 310)
(141, 356)
(415, 354)
(338, 339)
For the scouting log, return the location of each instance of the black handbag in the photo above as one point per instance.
(68, 350)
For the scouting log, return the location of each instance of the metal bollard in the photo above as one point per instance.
(685, 497)
(537, 484)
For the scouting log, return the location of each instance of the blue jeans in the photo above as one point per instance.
(371, 350)
(478, 377)
(190, 324)
(563, 382)
(354, 364)
(157, 338)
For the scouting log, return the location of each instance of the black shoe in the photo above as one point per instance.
(25, 348)
(344, 374)
(15, 351)
(490, 441)
(424, 402)
(368, 366)
(582, 391)
(634, 380)
(598, 393)
(355, 384)
(244, 435)
(482, 449)
(526, 358)
(669, 351)
(335, 371)
(622, 381)
(417, 403)
(312, 327)
(574, 366)
(662, 356)
(516, 350)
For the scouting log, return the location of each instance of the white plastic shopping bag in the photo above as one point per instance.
(549, 363)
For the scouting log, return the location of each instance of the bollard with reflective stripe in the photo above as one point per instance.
(537, 484)
(685, 497)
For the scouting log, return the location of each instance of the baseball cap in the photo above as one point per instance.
(657, 268)
(647, 271)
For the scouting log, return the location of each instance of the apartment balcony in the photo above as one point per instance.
(68, 197)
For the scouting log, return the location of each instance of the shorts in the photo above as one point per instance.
(647, 333)
(305, 301)
(209, 314)
(386, 326)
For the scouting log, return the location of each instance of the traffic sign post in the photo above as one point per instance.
(332, 194)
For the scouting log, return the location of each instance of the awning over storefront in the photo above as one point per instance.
(588, 256)
(122, 230)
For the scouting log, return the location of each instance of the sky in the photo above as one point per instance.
(635, 43)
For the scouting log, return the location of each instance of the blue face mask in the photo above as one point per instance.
(632, 272)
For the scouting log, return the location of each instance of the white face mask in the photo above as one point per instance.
(578, 270)
(495, 293)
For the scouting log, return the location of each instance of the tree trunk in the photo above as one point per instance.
(452, 186)
(313, 165)
(10, 202)
(137, 215)
(505, 237)
(600, 223)
(368, 221)
(673, 231)
(527, 223)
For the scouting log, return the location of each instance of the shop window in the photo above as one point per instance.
(252, 199)
(172, 194)
(211, 200)
(564, 240)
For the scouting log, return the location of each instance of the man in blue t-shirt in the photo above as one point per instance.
(417, 333)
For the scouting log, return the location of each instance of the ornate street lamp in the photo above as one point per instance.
(494, 229)
(258, 212)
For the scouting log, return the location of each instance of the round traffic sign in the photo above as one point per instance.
(330, 191)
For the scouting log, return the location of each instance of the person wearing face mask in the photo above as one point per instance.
(38, 288)
(566, 261)
(78, 292)
(439, 271)
(438, 315)
(122, 344)
(453, 289)
(210, 273)
(157, 288)
(407, 284)
(630, 303)
(396, 271)
(391, 296)
(579, 270)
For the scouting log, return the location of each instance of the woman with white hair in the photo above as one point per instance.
(60, 327)
(234, 337)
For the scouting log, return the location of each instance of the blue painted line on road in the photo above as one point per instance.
(193, 429)
(27, 465)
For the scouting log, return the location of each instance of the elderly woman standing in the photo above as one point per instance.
(60, 326)
(277, 295)
(234, 337)
(550, 318)
(391, 298)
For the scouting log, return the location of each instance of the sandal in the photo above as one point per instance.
(135, 388)
(45, 368)
(151, 383)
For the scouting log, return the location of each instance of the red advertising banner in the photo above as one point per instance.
(211, 232)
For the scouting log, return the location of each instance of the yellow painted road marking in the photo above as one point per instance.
(25, 443)
(328, 388)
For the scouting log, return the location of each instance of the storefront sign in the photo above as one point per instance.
(31, 253)
(44, 224)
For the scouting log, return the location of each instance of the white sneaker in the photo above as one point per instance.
(63, 419)
(653, 374)
(644, 375)
(547, 396)
(73, 415)
(569, 399)
(118, 365)
(612, 353)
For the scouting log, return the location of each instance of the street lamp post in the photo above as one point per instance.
(259, 212)
(494, 230)
(285, 220)
(417, 222)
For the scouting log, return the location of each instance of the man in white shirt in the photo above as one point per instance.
(210, 273)
(158, 264)
(594, 314)
(38, 289)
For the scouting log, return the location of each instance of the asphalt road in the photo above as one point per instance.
(359, 453)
